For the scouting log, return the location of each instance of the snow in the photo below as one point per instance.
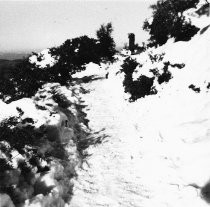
(157, 149)
(44, 111)
(46, 59)
(92, 69)
(139, 165)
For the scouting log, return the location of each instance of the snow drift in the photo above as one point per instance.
(54, 114)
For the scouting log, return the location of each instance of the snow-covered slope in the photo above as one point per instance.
(158, 152)
(157, 149)
(54, 114)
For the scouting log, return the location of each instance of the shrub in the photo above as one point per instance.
(177, 65)
(141, 87)
(194, 88)
(128, 67)
(156, 57)
(24, 80)
(168, 21)
(35, 145)
(106, 42)
(73, 54)
(166, 75)
(17, 136)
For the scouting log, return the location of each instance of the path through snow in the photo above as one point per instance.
(125, 170)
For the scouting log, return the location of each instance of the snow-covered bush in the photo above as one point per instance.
(142, 87)
(72, 55)
(57, 64)
(147, 73)
(18, 175)
(166, 75)
(128, 67)
(40, 146)
(168, 21)
(24, 81)
(137, 88)
(106, 42)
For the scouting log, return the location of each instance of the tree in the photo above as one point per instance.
(72, 55)
(168, 21)
(106, 42)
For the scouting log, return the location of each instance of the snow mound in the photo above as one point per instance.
(92, 69)
(43, 59)
(53, 112)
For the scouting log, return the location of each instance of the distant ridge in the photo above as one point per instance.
(13, 56)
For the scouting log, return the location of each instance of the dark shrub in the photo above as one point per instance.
(72, 55)
(194, 88)
(128, 68)
(106, 42)
(183, 30)
(139, 88)
(24, 81)
(166, 75)
(26, 78)
(177, 65)
(156, 57)
(168, 21)
(25, 140)
(142, 87)
(129, 65)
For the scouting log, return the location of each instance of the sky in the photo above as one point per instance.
(35, 25)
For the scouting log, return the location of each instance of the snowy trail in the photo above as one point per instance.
(126, 171)
(111, 178)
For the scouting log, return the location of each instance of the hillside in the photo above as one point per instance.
(104, 141)
(157, 152)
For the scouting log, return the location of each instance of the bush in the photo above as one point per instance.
(26, 77)
(129, 65)
(128, 68)
(24, 81)
(17, 136)
(139, 88)
(168, 21)
(60, 148)
(106, 42)
(73, 54)
(142, 87)
(156, 57)
(194, 88)
(166, 75)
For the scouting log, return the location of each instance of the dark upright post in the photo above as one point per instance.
(131, 37)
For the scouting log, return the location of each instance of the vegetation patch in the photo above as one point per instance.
(31, 155)
(194, 88)
(166, 75)
(168, 21)
(27, 75)
(140, 88)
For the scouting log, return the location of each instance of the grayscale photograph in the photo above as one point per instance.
(104, 103)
